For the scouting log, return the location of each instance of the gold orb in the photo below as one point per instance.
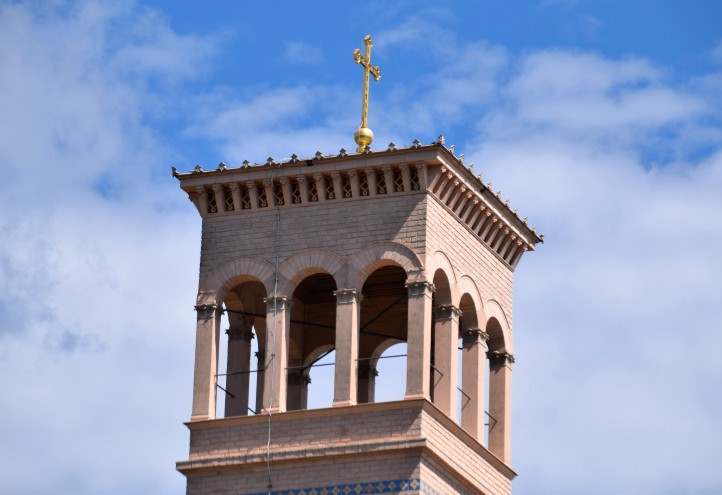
(363, 137)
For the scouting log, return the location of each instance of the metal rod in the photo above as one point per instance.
(464, 393)
(241, 372)
(226, 391)
(383, 311)
(310, 366)
(382, 357)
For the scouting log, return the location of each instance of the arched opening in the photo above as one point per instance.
(240, 374)
(444, 337)
(382, 336)
(311, 343)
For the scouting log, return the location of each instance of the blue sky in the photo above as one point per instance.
(599, 121)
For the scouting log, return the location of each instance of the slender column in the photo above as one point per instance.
(278, 321)
(252, 194)
(296, 385)
(260, 363)
(206, 364)
(442, 182)
(286, 189)
(320, 187)
(353, 180)
(489, 225)
(337, 185)
(508, 243)
(236, 194)
(439, 180)
(500, 238)
(517, 256)
(423, 174)
(371, 180)
(474, 212)
(500, 404)
(270, 197)
(220, 200)
(238, 366)
(464, 196)
(446, 337)
(302, 188)
(472, 382)
(202, 200)
(367, 374)
(348, 310)
(388, 179)
(457, 198)
(405, 176)
(450, 191)
(418, 363)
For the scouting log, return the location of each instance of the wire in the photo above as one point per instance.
(275, 328)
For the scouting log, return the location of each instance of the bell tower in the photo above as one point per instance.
(353, 254)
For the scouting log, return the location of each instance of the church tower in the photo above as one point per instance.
(353, 253)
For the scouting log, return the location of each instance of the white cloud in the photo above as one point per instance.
(302, 53)
(94, 318)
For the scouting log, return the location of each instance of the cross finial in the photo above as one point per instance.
(363, 135)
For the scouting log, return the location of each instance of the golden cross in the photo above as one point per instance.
(363, 135)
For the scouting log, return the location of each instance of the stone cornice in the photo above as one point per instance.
(437, 154)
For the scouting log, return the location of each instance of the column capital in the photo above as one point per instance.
(418, 289)
(283, 179)
(277, 303)
(217, 187)
(500, 358)
(352, 173)
(206, 311)
(347, 296)
(366, 369)
(300, 178)
(447, 312)
(233, 186)
(240, 334)
(474, 336)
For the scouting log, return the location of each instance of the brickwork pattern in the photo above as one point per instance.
(348, 445)
(468, 255)
(340, 227)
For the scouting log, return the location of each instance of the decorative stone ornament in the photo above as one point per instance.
(347, 296)
(415, 144)
(294, 158)
(246, 164)
(342, 153)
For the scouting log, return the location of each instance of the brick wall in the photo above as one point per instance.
(341, 227)
(468, 255)
(404, 440)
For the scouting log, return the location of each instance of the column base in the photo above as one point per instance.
(343, 403)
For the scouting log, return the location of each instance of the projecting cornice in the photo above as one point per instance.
(432, 168)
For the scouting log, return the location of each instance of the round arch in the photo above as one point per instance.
(214, 286)
(503, 341)
(440, 261)
(296, 268)
(367, 261)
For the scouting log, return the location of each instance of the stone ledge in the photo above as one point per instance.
(414, 440)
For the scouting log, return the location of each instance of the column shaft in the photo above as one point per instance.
(238, 366)
(443, 377)
(472, 383)
(500, 405)
(278, 320)
(206, 362)
(418, 361)
(347, 333)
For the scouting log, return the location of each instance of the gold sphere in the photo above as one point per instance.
(363, 137)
